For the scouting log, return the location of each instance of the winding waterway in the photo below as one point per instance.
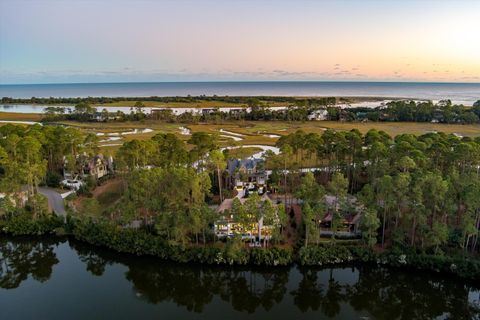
(65, 279)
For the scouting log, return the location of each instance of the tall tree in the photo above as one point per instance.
(338, 186)
(370, 224)
(216, 160)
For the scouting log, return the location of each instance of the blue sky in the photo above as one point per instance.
(102, 40)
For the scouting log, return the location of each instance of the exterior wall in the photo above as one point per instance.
(318, 115)
(100, 171)
(230, 229)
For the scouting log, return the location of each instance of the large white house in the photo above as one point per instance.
(320, 115)
(227, 225)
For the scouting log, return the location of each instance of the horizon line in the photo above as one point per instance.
(242, 81)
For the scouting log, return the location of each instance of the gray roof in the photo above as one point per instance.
(233, 164)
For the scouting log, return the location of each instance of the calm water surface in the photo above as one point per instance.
(53, 279)
(466, 93)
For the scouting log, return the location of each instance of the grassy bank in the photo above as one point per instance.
(14, 116)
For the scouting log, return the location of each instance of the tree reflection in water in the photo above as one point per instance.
(383, 293)
(194, 286)
(376, 292)
(317, 296)
(388, 293)
(23, 257)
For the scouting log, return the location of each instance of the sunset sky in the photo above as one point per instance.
(110, 41)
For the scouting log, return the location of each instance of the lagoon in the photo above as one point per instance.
(54, 278)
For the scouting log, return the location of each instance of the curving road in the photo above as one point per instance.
(55, 200)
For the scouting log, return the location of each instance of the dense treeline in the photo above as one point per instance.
(85, 112)
(395, 111)
(298, 110)
(31, 156)
(417, 194)
(321, 255)
(407, 111)
(171, 196)
(188, 99)
(417, 191)
(250, 109)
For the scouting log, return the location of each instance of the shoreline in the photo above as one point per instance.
(140, 243)
(236, 81)
(155, 101)
(250, 266)
(459, 92)
(293, 263)
(179, 107)
(224, 103)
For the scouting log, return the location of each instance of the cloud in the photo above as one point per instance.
(470, 78)
(286, 73)
(9, 76)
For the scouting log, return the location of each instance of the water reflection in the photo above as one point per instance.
(367, 291)
(24, 257)
(193, 287)
(388, 293)
(383, 293)
(196, 288)
(313, 294)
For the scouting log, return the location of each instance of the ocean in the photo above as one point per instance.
(465, 93)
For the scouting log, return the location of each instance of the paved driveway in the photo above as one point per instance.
(55, 200)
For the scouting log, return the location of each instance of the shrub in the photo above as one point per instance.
(23, 224)
(53, 179)
(465, 267)
(141, 242)
(324, 254)
(271, 257)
